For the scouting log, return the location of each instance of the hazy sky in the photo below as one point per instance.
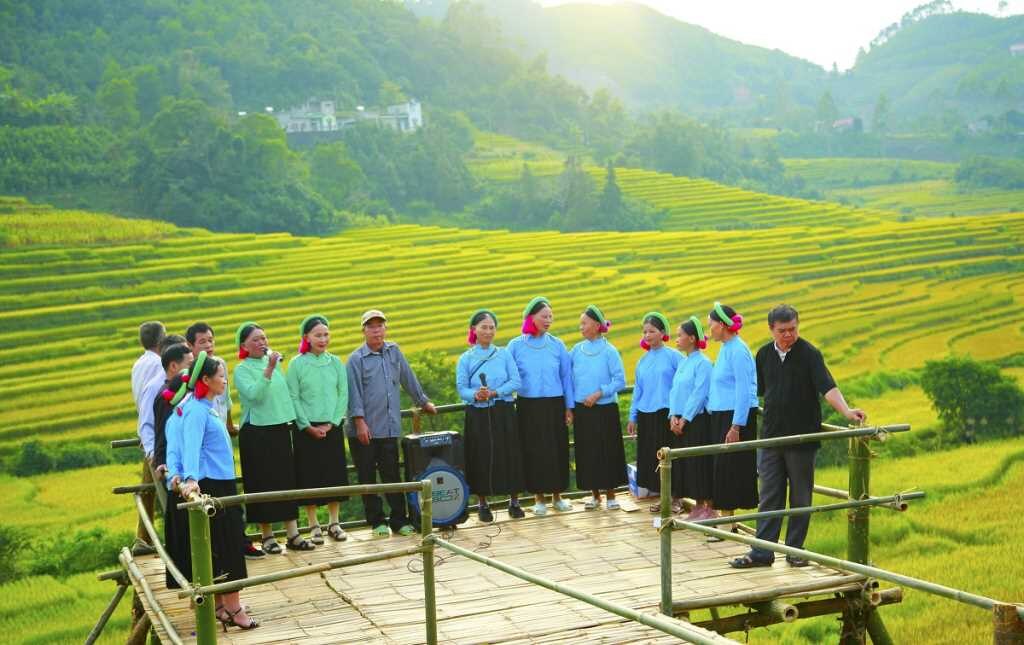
(822, 31)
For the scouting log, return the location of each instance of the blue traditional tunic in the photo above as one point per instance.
(734, 381)
(497, 366)
(597, 365)
(544, 366)
(690, 386)
(654, 373)
(206, 451)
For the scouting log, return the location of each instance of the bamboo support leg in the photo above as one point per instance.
(202, 575)
(1008, 627)
(665, 529)
(429, 590)
(107, 613)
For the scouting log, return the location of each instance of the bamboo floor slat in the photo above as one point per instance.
(611, 554)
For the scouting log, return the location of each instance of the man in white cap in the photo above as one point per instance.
(376, 370)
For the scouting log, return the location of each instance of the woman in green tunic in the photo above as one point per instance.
(319, 387)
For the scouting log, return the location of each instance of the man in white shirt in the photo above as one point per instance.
(146, 369)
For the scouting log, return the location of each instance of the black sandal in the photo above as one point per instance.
(796, 561)
(337, 533)
(747, 562)
(229, 620)
(316, 534)
(299, 543)
(271, 545)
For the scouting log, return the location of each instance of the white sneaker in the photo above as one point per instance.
(539, 509)
(592, 503)
(563, 505)
(612, 505)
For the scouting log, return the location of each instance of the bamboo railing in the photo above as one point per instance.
(858, 602)
(859, 608)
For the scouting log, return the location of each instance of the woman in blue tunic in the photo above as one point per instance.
(689, 418)
(597, 378)
(732, 402)
(544, 405)
(648, 414)
(486, 376)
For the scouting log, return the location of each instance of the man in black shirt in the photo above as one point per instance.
(791, 374)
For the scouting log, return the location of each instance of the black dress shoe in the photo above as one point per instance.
(485, 514)
(515, 511)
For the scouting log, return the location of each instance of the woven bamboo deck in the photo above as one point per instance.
(612, 554)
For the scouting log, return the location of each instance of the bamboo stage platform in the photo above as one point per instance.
(611, 554)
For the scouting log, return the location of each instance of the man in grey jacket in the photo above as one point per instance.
(376, 371)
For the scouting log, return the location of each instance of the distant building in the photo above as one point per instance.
(317, 115)
(1017, 49)
(849, 124)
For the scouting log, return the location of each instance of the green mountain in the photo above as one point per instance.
(653, 61)
(942, 70)
(938, 70)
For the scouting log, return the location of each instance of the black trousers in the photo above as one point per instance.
(381, 456)
(776, 467)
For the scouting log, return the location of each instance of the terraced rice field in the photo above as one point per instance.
(877, 296)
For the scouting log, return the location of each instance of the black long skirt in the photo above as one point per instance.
(735, 474)
(698, 472)
(227, 532)
(652, 434)
(320, 463)
(494, 458)
(600, 455)
(544, 438)
(176, 538)
(268, 465)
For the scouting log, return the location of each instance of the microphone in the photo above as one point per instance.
(483, 379)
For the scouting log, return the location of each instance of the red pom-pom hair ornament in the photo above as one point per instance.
(202, 389)
(243, 353)
(702, 344)
(529, 327)
(737, 323)
(645, 345)
(167, 395)
(664, 338)
(304, 346)
(606, 326)
(185, 378)
(471, 336)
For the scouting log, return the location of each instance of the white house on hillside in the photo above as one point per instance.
(317, 115)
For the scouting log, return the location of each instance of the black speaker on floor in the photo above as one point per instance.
(439, 456)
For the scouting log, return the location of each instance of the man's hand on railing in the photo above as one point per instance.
(188, 487)
(429, 408)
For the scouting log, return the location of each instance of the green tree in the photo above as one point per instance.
(335, 175)
(827, 111)
(973, 400)
(118, 103)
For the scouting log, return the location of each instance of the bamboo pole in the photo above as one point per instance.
(117, 574)
(858, 543)
(128, 563)
(665, 529)
(202, 571)
(135, 488)
(125, 443)
(777, 609)
(762, 595)
(155, 542)
(107, 613)
(845, 565)
(429, 589)
(304, 493)
(807, 609)
(1008, 626)
(793, 440)
(807, 510)
(659, 622)
(298, 572)
(831, 492)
